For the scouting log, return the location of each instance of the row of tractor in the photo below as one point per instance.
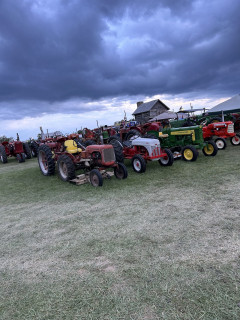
(102, 149)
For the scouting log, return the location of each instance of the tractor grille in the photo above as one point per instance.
(230, 128)
(108, 155)
(155, 151)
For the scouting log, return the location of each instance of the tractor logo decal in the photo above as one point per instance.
(184, 132)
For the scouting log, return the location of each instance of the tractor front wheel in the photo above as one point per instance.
(3, 155)
(138, 164)
(221, 143)
(235, 141)
(95, 178)
(27, 150)
(120, 171)
(168, 159)
(210, 149)
(46, 161)
(66, 168)
(189, 153)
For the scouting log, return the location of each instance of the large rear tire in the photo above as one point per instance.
(189, 153)
(133, 134)
(221, 143)
(3, 155)
(27, 150)
(34, 149)
(66, 168)
(166, 160)
(46, 161)
(210, 149)
(118, 150)
(138, 164)
(95, 178)
(120, 171)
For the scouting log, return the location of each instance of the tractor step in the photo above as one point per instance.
(84, 178)
(177, 155)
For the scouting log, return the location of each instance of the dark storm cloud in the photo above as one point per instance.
(53, 51)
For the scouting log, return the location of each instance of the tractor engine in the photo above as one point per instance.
(101, 154)
(151, 145)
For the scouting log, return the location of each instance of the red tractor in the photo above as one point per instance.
(70, 155)
(17, 149)
(221, 130)
(140, 151)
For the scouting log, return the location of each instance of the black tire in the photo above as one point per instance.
(138, 164)
(115, 137)
(27, 150)
(221, 143)
(189, 153)
(215, 119)
(45, 160)
(235, 141)
(211, 149)
(3, 155)
(188, 123)
(150, 136)
(95, 178)
(121, 172)
(118, 150)
(66, 168)
(89, 143)
(20, 157)
(23, 157)
(168, 160)
(133, 134)
(34, 149)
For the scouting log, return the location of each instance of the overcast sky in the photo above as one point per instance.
(66, 63)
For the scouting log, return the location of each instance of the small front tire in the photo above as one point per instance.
(138, 164)
(235, 141)
(221, 143)
(189, 153)
(210, 149)
(120, 171)
(96, 178)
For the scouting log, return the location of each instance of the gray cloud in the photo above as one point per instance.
(93, 49)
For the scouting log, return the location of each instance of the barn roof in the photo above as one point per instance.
(230, 105)
(147, 106)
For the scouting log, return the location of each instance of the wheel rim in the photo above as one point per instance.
(137, 165)
(235, 140)
(1, 157)
(95, 180)
(220, 144)
(164, 160)
(188, 154)
(43, 162)
(63, 170)
(209, 149)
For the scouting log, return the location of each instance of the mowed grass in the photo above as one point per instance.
(159, 245)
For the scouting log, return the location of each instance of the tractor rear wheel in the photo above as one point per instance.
(210, 149)
(120, 172)
(27, 150)
(34, 149)
(3, 155)
(114, 137)
(95, 178)
(235, 141)
(118, 150)
(168, 159)
(189, 153)
(89, 143)
(138, 164)
(66, 168)
(46, 161)
(221, 143)
(133, 134)
(20, 157)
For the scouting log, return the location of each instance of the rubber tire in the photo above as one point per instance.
(121, 172)
(223, 143)
(194, 153)
(27, 150)
(133, 133)
(3, 155)
(115, 137)
(50, 170)
(168, 161)
(96, 178)
(66, 161)
(34, 149)
(118, 150)
(215, 149)
(23, 157)
(141, 162)
(89, 143)
(233, 138)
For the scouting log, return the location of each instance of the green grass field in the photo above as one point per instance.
(160, 245)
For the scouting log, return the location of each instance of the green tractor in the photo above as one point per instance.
(186, 141)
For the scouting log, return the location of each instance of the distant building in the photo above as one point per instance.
(148, 110)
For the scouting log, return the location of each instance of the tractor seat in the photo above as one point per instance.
(127, 144)
(71, 146)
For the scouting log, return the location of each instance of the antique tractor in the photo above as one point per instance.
(186, 141)
(140, 151)
(70, 156)
(19, 150)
